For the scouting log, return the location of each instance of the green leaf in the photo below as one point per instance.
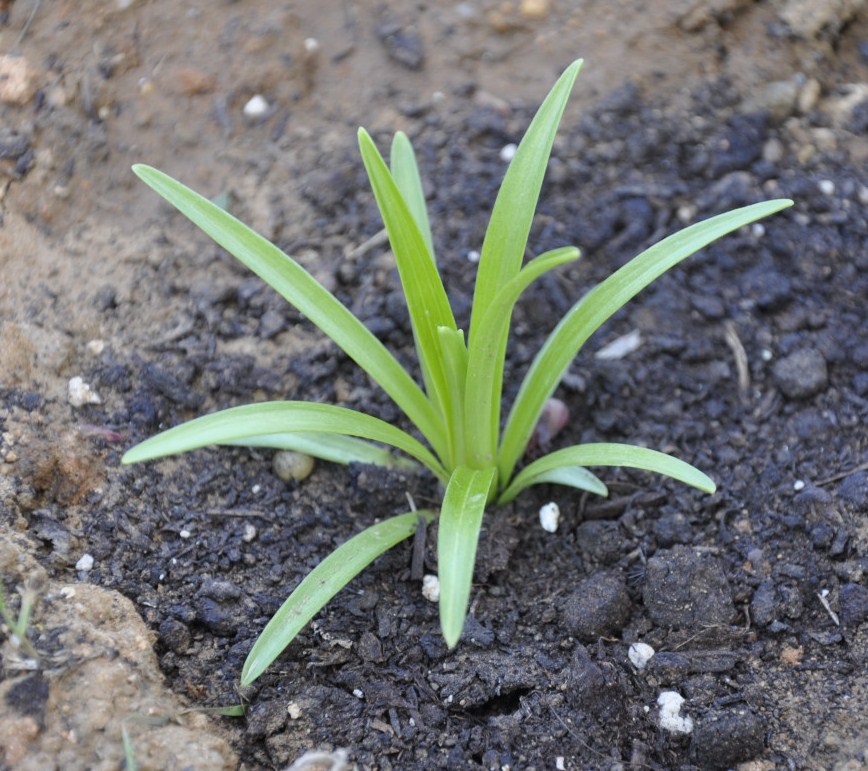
(506, 237)
(323, 583)
(303, 291)
(587, 315)
(455, 369)
(568, 476)
(331, 447)
(255, 420)
(423, 289)
(406, 175)
(458, 533)
(608, 454)
(485, 358)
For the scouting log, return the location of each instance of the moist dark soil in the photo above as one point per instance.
(752, 365)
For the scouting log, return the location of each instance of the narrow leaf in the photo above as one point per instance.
(455, 370)
(323, 583)
(486, 358)
(406, 175)
(303, 291)
(506, 237)
(423, 289)
(458, 534)
(254, 420)
(587, 315)
(609, 454)
(568, 476)
(331, 447)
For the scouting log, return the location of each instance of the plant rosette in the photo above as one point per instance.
(456, 412)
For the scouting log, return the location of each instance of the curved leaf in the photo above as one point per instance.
(609, 454)
(485, 358)
(253, 420)
(458, 533)
(506, 237)
(323, 583)
(402, 163)
(303, 291)
(331, 447)
(587, 315)
(568, 476)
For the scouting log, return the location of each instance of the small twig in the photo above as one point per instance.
(730, 334)
(235, 513)
(821, 596)
(842, 474)
(378, 239)
(27, 24)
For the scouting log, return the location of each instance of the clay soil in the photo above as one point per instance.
(150, 583)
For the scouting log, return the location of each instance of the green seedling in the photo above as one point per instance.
(457, 411)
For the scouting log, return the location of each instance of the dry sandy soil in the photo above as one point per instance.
(149, 584)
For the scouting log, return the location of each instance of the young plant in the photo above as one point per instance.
(458, 411)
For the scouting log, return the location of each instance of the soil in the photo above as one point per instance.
(151, 582)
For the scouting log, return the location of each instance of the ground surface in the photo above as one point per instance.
(753, 365)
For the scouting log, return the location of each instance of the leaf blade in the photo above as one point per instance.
(589, 313)
(568, 476)
(485, 358)
(457, 537)
(610, 454)
(304, 292)
(506, 237)
(322, 583)
(405, 171)
(252, 420)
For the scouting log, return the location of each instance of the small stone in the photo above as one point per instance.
(175, 635)
(249, 533)
(727, 737)
(764, 605)
(640, 654)
(507, 152)
(288, 464)
(853, 604)
(431, 588)
(85, 564)
(17, 80)
(826, 187)
(80, 393)
(549, 516)
(599, 606)
(687, 588)
(534, 9)
(96, 347)
(257, 107)
(671, 718)
(293, 710)
(802, 374)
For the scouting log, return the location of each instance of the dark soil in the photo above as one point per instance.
(753, 366)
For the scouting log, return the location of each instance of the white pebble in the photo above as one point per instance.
(358, 693)
(671, 718)
(640, 654)
(85, 563)
(798, 485)
(256, 107)
(311, 45)
(827, 187)
(185, 534)
(620, 346)
(507, 152)
(80, 393)
(249, 533)
(431, 588)
(473, 256)
(559, 763)
(766, 354)
(758, 230)
(96, 347)
(549, 516)
(293, 710)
